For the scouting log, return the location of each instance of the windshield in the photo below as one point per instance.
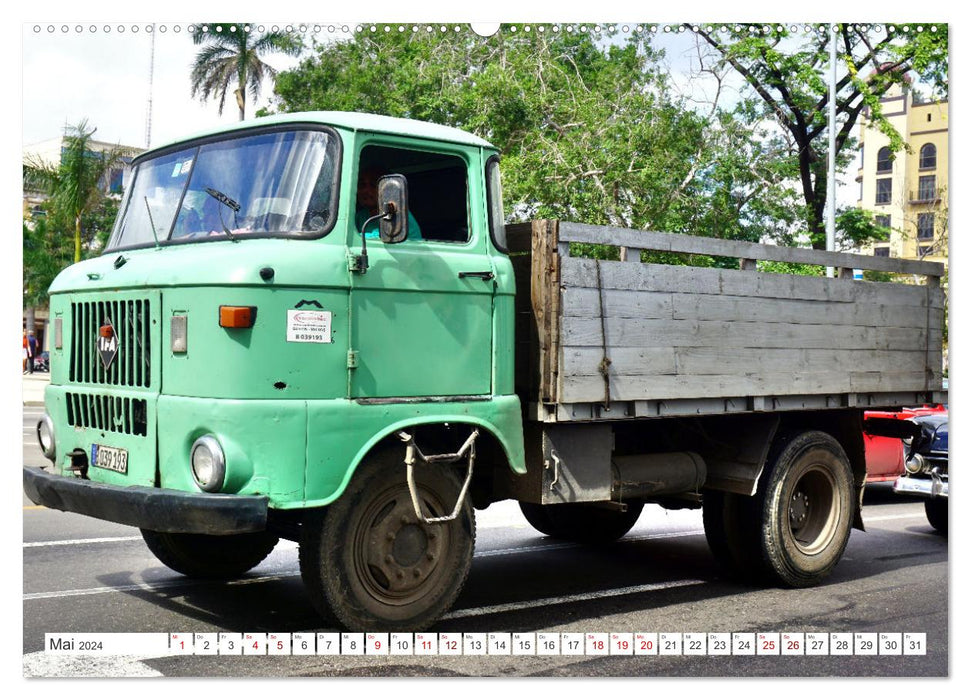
(273, 183)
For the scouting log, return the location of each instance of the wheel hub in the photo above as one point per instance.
(402, 553)
(813, 510)
(799, 508)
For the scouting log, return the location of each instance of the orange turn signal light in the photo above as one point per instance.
(237, 316)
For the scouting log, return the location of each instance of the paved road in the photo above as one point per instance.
(83, 575)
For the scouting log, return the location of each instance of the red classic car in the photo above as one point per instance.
(885, 455)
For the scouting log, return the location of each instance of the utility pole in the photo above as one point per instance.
(151, 78)
(831, 178)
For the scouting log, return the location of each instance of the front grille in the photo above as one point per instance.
(114, 414)
(131, 319)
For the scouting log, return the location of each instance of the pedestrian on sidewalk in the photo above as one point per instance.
(26, 351)
(31, 351)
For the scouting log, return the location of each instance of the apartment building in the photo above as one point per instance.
(907, 191)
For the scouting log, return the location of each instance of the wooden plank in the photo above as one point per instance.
(586, 389)
(624, 361)
(636, 362)
(734, 308)
(647, 333)
(582, 302)
(621, 303)
(580, 272)
(700, 245)
(545, 298)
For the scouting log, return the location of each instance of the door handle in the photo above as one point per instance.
(486, 276)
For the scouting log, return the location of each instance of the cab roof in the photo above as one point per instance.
(353, 121)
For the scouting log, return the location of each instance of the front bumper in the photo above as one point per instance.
(931, 486)
(162, 510)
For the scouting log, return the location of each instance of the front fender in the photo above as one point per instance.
(341, 436)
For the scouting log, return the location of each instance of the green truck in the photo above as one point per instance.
(318, 327)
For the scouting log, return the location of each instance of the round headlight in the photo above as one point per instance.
(45, 436)
(208, 463)
(915, 465)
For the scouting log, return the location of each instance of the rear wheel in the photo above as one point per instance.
(936, 510)
(369, 561)
(806, 509)
(210, 556)
(581, 522)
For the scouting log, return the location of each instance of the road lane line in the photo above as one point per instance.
(71, 543)
(576, 598)
(161, 585)
(901, 516)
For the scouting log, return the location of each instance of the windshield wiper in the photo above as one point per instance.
(151, 221)
(228, 201)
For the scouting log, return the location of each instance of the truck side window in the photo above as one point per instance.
(437, 191)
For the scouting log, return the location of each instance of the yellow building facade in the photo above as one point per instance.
(907, 191)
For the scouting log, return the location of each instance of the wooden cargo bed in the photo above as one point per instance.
(608, 340)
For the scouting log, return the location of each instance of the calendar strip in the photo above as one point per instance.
(490, 644)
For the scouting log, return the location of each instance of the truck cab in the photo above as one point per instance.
(249, 338)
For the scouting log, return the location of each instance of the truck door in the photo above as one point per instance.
(421, 315)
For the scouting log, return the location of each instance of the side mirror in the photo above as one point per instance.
(393, 202)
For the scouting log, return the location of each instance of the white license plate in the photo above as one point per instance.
(111, 458)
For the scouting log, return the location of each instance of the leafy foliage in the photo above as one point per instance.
(589, 130)
(785, 72)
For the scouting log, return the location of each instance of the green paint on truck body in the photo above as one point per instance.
(410, 342)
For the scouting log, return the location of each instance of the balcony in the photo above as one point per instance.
(926, 196)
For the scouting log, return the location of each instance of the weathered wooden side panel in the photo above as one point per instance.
(630, 331)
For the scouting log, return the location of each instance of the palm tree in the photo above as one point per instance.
(76, 184)
(231, 58)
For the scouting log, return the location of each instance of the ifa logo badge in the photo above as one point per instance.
(107, 343)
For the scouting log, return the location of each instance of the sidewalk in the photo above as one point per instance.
(33, 388)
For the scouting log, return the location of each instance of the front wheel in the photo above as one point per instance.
(936, 510)
(368, 560)
(806, 504)
(210, 556)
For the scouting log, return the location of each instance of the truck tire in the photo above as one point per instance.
(581, 522)
(936, 510)
(368, 561)
(806, 508)
(210, 556)
(731, 528)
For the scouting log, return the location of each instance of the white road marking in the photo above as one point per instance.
(161, 585)
(579, 597)
(75, 543)
(902, 516)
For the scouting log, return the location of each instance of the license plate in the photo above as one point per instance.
(111, 458)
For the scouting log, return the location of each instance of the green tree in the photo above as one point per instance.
(588, 129)
(785, 70)
(76, 186)
(231, 58)
(45, 253)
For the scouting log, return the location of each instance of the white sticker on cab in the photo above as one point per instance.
(304, 326)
